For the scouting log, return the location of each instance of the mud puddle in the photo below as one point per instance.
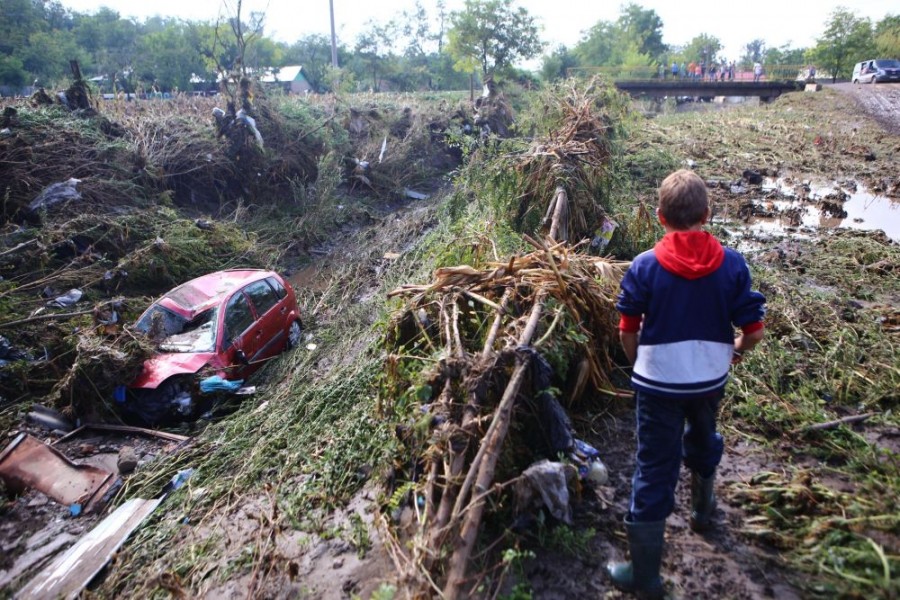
(803, 210)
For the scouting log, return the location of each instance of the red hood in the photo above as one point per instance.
(162, 366)
(689, 254)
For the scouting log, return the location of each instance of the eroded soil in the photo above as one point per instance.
(728, 562)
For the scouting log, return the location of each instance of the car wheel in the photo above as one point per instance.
(293, 334)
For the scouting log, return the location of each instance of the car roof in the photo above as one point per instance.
(207, 291)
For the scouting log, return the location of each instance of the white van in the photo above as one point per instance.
(875, 71)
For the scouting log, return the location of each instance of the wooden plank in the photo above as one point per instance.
(69, 573)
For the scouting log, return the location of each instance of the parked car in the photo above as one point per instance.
(876, 71)
(227, 323)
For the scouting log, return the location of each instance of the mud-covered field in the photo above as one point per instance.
(312, 488)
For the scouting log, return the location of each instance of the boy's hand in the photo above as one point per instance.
(629, 344)
(737, 357)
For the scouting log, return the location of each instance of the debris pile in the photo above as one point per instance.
(506, 345)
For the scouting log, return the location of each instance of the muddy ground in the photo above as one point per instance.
(881, 101)
(726, 563)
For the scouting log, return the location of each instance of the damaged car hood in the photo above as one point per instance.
(161, 367)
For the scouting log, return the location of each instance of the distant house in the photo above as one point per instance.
(290, 79)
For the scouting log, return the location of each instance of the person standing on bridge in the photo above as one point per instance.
(692, 68)
(684, 72)
(757, 71)
(674, 70)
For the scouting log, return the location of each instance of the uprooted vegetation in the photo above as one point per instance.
(379, 409)
(125, 213)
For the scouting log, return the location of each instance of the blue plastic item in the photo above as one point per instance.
(217, 384)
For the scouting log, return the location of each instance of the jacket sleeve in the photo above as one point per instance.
(749, 305)
(632, 300)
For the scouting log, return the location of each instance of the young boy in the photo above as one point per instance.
(679, 305)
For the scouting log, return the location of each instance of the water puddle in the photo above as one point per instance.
(802, 210)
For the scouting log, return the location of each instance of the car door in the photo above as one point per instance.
(241, 333)
(870, 72)
(271, 313)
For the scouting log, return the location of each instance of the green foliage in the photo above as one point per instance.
(847, 39)
(492, 34)
(644, 27)
(754, 52)
(556, 65)
(887, 37)
(704, 47)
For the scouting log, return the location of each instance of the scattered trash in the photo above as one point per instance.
(56, 193)
(250, 123)
(184, 402)
(587, 460)
(27, 463)
(68, 299)
(391, 255)
(247, 390)
(9, 353)
(204, 224)
(546, 483)
(49, 418)
(753, 177)
(177, 481)
(603, 235)
(414, 194)
(311, 346)
(218, 384)
(72, 570)
(383, 148)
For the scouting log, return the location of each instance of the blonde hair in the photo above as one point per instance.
(683, 202)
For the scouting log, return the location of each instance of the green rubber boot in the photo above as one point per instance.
(703, 501)
(640, 576)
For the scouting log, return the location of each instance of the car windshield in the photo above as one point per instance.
(177, 334)
(888, 64)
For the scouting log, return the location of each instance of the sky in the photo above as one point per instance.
(777, 22)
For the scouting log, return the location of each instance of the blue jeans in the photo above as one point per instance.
(664, 441)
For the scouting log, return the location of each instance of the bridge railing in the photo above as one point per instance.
(648, 73)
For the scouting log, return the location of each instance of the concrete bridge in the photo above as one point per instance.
(765, 90)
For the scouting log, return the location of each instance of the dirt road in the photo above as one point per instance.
(881, 101)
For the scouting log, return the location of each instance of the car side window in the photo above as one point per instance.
(279, 289)
(238, 316)
(262, 295)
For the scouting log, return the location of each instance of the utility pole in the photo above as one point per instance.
(333, 37)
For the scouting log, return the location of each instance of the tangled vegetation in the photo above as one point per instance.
(343, 417)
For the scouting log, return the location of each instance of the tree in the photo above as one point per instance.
(492, 34)
(556, 65)
(632, 44)
(644, 27)
(887, 36)
(375, 44)
(109, 41)
(167, 57)
(785, 55)
(703, 47)
(754, 52)
(847, 39)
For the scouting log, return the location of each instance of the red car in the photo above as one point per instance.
(226, 323)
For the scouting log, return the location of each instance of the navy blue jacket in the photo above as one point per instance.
(690, 293)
